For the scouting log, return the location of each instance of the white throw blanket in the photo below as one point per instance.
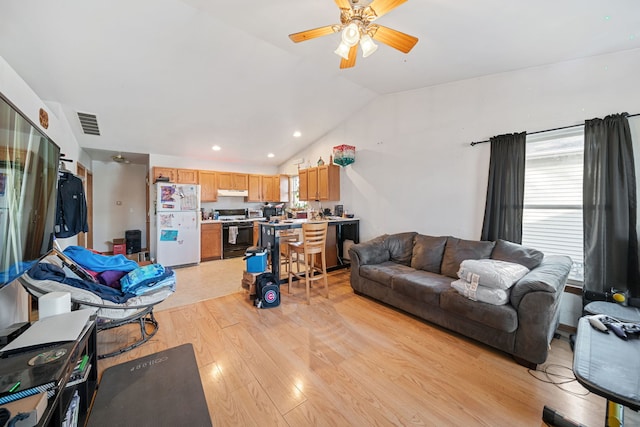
(233, 234)
(477, 292)
(492, 273)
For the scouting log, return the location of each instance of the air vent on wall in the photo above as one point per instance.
(89, 123)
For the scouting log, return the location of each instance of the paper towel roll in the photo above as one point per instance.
(54, 303)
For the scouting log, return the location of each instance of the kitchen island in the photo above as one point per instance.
(340, 230)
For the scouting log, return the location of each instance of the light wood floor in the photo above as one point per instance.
(350, 361)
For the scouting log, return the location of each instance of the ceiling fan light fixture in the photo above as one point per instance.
(342, 50)
(367, 45)
(351, 34)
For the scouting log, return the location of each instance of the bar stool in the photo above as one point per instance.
(286, 237)
(314, 238)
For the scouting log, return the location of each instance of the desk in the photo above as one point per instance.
(608, 366)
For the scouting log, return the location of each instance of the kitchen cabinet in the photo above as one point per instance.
(210, 241)
(256, 233)
(255, 188)
(187, 176)
(162, 172)
(180, 176)
(320, 183)
(271, 188)
(329, 182)
(233, 181)
(208, 186)
(303, 188)
(264, 188)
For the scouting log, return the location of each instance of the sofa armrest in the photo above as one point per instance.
(370, 252)
(537, 297)
(550, 276)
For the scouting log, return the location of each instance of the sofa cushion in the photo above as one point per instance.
(427, 253)
(500, 317)
(513, 252)
(400, 247)
(382, 273)
(457, 250)
(421, 286)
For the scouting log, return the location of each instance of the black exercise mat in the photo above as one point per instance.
(162, 389)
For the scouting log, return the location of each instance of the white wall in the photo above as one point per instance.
(13, 299)
(415, 169)
(119, 202)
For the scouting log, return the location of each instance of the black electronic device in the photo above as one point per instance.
(133, 239)
(12, 332)
(555, 419)
(28, 177)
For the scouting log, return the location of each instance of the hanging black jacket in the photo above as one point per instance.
(71, 211)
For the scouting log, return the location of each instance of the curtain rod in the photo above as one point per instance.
(549, 130)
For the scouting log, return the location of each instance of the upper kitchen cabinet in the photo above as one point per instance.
(320, 183)
(303, 188)
(255, 188)
(329, 182)
(271, 188)
(208, 186)
(264, 188)
(187, 176)
(233, 181)
(180, 176)
(160, 172)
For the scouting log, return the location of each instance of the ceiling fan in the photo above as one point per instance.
(119, 158)
(356, 25)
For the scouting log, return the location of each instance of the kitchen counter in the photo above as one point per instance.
(218, 221)
(340, 230)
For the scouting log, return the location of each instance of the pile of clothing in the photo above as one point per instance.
(114, 278)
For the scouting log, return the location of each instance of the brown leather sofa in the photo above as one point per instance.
(414, 272)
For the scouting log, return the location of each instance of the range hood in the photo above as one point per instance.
(233, 193)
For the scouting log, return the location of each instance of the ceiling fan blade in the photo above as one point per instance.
(396, 39)
(351, 62)
(343, 4)
(380, 7)
(312, 34)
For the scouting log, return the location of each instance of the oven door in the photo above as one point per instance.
(243, 240)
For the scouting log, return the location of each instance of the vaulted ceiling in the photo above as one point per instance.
(176, 77)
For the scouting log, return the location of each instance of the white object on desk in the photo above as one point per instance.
(54, 303)
(59, 328)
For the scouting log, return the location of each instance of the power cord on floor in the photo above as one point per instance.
(558, 379)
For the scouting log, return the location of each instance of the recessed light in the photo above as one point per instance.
(297, 134)
(270, 155)
(216, 148)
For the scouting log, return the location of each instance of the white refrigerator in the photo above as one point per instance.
(177, 224)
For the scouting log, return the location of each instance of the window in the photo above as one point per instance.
(552, 217)
(295, 193)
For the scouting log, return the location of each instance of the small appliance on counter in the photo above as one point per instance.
(338, 210)
(269, 211)
(254, 213)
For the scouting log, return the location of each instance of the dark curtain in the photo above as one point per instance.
(505, 191)
(609, 211)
